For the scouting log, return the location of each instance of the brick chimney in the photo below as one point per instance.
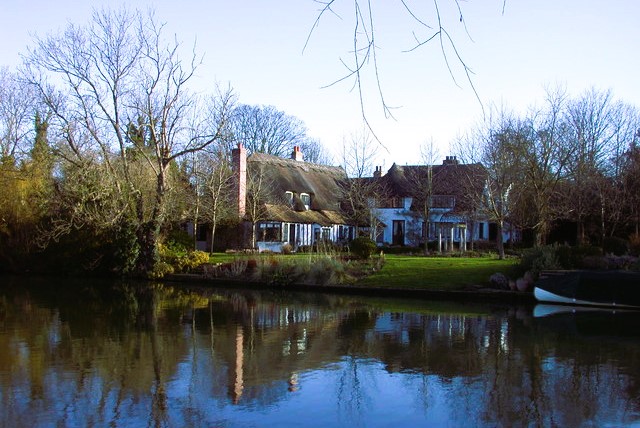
(296, 155)
(450, 160)
(239, 165)
(378, 172)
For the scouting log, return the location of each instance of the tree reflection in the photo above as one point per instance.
(125, 354)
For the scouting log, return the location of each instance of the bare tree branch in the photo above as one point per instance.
(364, 51)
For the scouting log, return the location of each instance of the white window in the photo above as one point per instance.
(306, 200)
(269, 232)
(326, 234)
(289, 198)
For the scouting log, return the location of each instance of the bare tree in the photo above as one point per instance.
(17, 109)
(420, 180)
(360, 192)
(359, 154)
(259, 193)
(216, 177)
(265, 129)
(115, 71)
(592, 122)
(496, 145)
(545, 153)
(630, 179)
(315, 152)
(624, 209)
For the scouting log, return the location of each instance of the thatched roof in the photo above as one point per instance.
(286, 214)
(321, 182)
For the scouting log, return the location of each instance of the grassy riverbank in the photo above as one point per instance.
(410, 272)
(436, 273)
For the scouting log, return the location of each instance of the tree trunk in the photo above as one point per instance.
(149, 231)
(500, 240)
(147, 239)
(426, 238)
(253, 235)
(214, 220)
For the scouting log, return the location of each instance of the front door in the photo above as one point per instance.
(398, 232)
(292, 235)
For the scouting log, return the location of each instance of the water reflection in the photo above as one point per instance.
(95, 353)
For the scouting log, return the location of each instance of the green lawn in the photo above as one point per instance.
(215, 258)
(436, 273)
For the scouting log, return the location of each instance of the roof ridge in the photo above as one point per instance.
(264, 157)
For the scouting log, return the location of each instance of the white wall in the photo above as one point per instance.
(413, 224)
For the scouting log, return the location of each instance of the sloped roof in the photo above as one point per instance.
(283, 213)
(448, 179)
(321, 182)
(452, 179)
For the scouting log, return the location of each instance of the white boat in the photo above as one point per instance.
(619, 289)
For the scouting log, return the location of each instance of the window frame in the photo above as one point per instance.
(306, 200)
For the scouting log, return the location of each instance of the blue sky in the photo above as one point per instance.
(256, 46)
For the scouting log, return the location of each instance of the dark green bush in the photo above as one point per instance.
(616, 246)
(362, 247)
(538, 259)
(178, 239)
(573, 257)
(402, 249)
(125, 248)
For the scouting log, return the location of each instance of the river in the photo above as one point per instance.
(82, 353)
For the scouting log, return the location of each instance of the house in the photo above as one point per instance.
(289, 201)
(431, 203)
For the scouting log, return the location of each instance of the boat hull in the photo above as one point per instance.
(619, 289)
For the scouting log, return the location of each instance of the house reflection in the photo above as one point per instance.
(267, 345)
(237, 374)
(215, 355)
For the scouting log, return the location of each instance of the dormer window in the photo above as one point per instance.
(306, 200)
(288, 196)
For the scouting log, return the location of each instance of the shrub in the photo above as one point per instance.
(401, 249)
(615, 245)
(325, 271)
(180, 259)
(363, 247)
(287, 249)
(192, 260)
(178, 238)
(537, 259)
(327, 247)
(573, 257)
(595, 263)
(634, 244)
(126, 248)
(160, 270)
(625, 262)
(487, 246)
(236, 268)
